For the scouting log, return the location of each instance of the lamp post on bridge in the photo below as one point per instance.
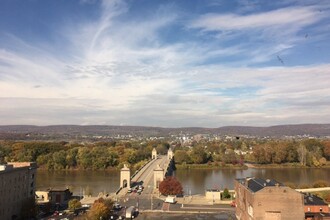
(151, 202)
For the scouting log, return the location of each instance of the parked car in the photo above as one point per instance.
(117, 207)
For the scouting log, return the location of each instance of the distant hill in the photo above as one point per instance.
(77, 131)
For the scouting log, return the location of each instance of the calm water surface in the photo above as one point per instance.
(196, 181)
(193, 181)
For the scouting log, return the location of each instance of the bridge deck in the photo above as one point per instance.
(146, 175)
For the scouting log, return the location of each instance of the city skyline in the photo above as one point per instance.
(164, 63)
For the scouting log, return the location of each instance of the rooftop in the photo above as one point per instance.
(310, 199)
(256, 184)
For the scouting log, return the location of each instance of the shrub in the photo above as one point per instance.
(320, 183)
(74, 204)
(291, 185)
(226, 194)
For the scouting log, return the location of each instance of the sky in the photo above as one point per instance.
(167, 63)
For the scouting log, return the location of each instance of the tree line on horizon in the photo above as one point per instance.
(113, 154)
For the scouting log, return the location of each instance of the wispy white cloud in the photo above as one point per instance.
(271, 32)
(294, 16)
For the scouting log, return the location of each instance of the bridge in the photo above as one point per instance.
(149, 176)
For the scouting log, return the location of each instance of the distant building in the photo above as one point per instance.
(259, 199)
(54, 196)
(215, 195)
(17, 184)
(315, 207)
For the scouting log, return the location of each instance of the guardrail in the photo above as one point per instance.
(137, 171)
(118, 190)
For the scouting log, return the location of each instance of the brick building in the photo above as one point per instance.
(315, 207)
(17, 184)
(259, 199)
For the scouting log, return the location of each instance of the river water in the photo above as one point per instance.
(194, 181)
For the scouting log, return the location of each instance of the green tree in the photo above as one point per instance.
(71, 157)
(59, 159)
(226, 194)
(198, 155)
(292, 154)
(162, 148)
(181, 156)
(74, 204)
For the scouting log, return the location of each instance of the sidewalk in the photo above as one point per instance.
(199, 200)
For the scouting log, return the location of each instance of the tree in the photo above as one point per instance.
(292, 154)
(280, 154)
(74, 204)
(99, 210)
(326, 150)
(170, 186)
(162, 148)
(226, 194)
(230, 157)
(181, 156)
(198, 155)
(302, 153)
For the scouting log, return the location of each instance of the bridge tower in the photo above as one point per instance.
(170, 154)
(158, 176)
(154, 154)
(125, 177)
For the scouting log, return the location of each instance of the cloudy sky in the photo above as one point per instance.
(169, 63)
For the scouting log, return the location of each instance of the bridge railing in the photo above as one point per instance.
(118, 190)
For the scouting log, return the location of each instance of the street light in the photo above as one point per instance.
(151, 204)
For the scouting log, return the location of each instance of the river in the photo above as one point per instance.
(194, 181)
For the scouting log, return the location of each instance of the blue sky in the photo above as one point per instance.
(165, 63)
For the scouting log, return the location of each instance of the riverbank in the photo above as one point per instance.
(210, 166)
(248, 165)
(283, 165)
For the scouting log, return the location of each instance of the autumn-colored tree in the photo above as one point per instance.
(99, 210)
(326, 150)
(74, 204)
(320, 183)
(170, 186)
(327, 197)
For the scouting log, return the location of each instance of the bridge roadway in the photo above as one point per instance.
(146, 175)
